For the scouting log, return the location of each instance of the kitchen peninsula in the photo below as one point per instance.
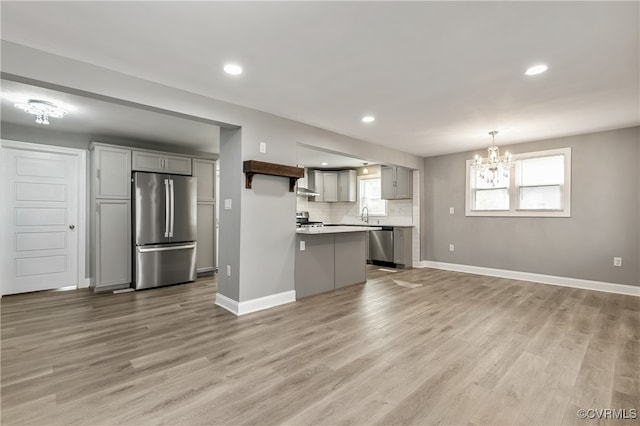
(330, 257)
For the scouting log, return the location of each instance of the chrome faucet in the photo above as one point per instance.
(364, 216)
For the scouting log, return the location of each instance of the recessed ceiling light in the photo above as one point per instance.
(536, 69)
(368, 119)
(233, 69)
(325, 164)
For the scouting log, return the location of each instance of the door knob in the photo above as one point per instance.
(72, 227)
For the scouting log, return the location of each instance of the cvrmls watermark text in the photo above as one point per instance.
(608, 413)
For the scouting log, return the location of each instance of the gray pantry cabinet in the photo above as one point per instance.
(110, 238)
(205, 171)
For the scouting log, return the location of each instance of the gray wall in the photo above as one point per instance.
(230, 174)
(604, 222)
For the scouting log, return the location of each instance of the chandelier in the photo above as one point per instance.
(494, 168)
(42, 110)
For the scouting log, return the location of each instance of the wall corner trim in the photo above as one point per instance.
(625, 289)
(254, 305)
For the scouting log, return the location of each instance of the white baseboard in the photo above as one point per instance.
(254, 305)
(625, 289)
(227, 303)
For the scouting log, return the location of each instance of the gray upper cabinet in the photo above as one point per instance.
(396, 183)
(347, 186)
(111, 172)
(149, 161)
(205, 171)
(333, 186)
(330, 186)
(316, 183)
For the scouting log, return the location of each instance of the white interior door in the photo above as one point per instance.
(40, 220)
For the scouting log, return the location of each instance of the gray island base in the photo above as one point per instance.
(329, 258)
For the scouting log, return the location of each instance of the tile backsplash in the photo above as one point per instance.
(400, 212)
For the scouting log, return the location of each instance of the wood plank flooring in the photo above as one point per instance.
(455, 349)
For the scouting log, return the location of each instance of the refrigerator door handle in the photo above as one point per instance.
(172, 208)
(167, 212)
(155, 249)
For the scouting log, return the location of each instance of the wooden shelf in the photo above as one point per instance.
(253, 167)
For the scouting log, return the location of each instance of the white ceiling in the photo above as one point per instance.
(437, 75)
(105, 121)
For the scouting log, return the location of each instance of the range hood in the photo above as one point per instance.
(305, 192)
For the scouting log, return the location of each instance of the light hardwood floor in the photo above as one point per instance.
(458, 349)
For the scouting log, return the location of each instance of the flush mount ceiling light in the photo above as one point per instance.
(325, 164)
(536, 69)
(233, 69)
(42, 110)
(368, 119)
(494, 168)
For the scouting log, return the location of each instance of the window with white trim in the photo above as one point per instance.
(369, 195)
(539, 184)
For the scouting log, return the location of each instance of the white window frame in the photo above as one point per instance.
(513, 189)
(386, 204)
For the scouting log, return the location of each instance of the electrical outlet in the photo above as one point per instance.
(263, 147)
(617, 261)
(302, 246)
(452, 247)
(228, 270)
(452, 210)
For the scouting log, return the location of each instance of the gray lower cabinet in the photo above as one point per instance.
(315, 265)
(350, 259)
(112, 244)
(329, 262)
(402, 247)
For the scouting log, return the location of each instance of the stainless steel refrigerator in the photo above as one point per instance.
(164, 229)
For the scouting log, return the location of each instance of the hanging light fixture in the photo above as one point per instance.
(495, 168)
(365, 171)
(42, 110)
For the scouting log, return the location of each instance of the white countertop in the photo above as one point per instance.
(335, 229)
(369, 225)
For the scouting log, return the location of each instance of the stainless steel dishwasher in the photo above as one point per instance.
(381, 245)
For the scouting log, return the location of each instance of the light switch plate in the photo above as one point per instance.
(227, 203)
(302, 246)
(452, 210)
(263, 147)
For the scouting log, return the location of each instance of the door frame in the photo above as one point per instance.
(81, 154)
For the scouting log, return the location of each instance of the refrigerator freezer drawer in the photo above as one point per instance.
(162, 264)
